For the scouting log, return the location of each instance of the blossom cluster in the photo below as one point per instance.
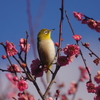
(93, 24)
(92, 88)
(70, 51)
(19, 82)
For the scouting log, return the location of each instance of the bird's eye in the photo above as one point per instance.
(46, 32)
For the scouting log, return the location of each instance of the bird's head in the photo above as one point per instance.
(44, 34)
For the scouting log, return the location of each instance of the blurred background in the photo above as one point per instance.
(19, 16)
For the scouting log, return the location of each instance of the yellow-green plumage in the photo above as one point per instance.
(46, 49)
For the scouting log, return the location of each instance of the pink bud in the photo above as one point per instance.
(4, 56)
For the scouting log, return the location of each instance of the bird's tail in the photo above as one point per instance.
(48, 74)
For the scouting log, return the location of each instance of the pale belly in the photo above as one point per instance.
(46, 51)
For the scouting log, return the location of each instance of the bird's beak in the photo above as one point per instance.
(52, 30)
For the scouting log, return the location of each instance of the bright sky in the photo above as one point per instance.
(14, 23)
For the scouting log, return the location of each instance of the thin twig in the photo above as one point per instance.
(90, 50)
(60, 26)
(9, 58)
(69, 23)
(38, 89)
(90, 80)
(60, 37)
(77, 87)
(26, 46)
(80, 49)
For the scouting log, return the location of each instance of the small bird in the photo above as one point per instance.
(46, 50)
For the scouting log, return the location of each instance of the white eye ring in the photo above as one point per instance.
(46, 32)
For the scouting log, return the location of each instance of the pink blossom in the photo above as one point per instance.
(84, 21)
(57, 44)
(35, 68)
(97, 77)
(61, 85)
(15, 78)
(84, 74)
(23, 65)
(25, 96)
(91, 88)
(64, 97)
(4, 56)
(97, 97)
(73, 88)
(72, 50)
(11, 94)
(23, 46)
(10, 77)
(77, 37)
(13, 68)
(86, 44)
(11, 49)
(97, 61)
(64, 60)
(22, 85)
(91, 23)
(97, 28)
(50, 98)
(78, 15)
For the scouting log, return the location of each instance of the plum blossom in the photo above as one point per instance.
(62, 60)
(22, 85)
(4, 56)
(97, 97)
(97, 61)
(11, 49)
(97, 28)
(50, 98)
(87, 44)
(78, 15)
(11, 94)
(65, 60)
(77, 37)
(23, 65)
(91, 23)
(64, 97)
(84, 74)
(91, 88)
(15, 78)
(23, 46)
(14, 67)
(73, 88)
(84, 21)
(26, 96)
(97, 77)
(72, 50)
(61, 85)
(57, 44)
(10, 77)
(35, 69)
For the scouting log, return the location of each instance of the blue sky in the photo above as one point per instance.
(14, 23)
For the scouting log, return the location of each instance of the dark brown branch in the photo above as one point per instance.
(26, 42)
(38, 89)
(60, 37)
(60, 26)
(29, 76)
(69, 23)
(90, 50)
